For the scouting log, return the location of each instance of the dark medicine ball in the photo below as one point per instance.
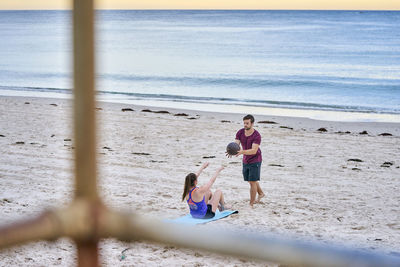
(232, 148)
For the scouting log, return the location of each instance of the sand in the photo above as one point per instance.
(327, 186)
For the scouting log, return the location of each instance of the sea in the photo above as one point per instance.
(334, 65)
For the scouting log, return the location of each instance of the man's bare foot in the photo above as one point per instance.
(260, 197)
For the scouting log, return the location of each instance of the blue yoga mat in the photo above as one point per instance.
(188, 219)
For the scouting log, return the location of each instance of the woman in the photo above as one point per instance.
(202, 202)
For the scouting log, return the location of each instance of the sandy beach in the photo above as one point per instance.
(338, 184)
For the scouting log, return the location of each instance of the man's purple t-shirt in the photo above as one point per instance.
(247, 142)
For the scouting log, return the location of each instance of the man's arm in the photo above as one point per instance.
(252, 151)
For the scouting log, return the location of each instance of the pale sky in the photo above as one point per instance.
(210, 4)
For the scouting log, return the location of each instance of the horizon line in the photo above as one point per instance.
(199, 9)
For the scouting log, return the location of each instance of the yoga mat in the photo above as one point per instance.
(188, 219)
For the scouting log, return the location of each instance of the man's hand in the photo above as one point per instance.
(241, 152)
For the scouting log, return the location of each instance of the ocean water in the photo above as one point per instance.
(240, 61)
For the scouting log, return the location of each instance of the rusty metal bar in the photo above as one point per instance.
(78, 221)
(84, 107)
(84, 121)
(45, 227)
(87, 253)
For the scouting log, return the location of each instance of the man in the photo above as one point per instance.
(250, 140)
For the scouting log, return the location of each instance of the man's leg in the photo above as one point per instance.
(260, 192)
(253, 192)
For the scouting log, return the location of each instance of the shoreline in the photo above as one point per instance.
(305, 113)
(294, 122)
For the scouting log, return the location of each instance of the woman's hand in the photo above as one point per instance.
(205, 165)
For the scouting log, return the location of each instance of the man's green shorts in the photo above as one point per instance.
(251, 171)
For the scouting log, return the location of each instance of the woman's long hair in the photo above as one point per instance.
(189, 182)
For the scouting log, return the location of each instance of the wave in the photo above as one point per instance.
(260, 82)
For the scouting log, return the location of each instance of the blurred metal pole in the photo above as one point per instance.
(45, 227)
(253, 246)
(84, 107)
(84, 119)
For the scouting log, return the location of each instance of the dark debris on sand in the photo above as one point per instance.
(158, 111)
(286, 127)
(141, 153)
(126, 109)
(387, 164)
(322, 130)
(363, 132)
(356, 160)
(181, 114)
(385, 134)
(275, 165)
(5, 200)
(268, 122)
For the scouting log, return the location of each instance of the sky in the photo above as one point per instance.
(210, 4)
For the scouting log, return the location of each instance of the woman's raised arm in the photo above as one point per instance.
(205, 165)
(207, 186)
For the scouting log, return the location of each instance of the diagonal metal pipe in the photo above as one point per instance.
(238, 243)
(46, 226)
(87, 223)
